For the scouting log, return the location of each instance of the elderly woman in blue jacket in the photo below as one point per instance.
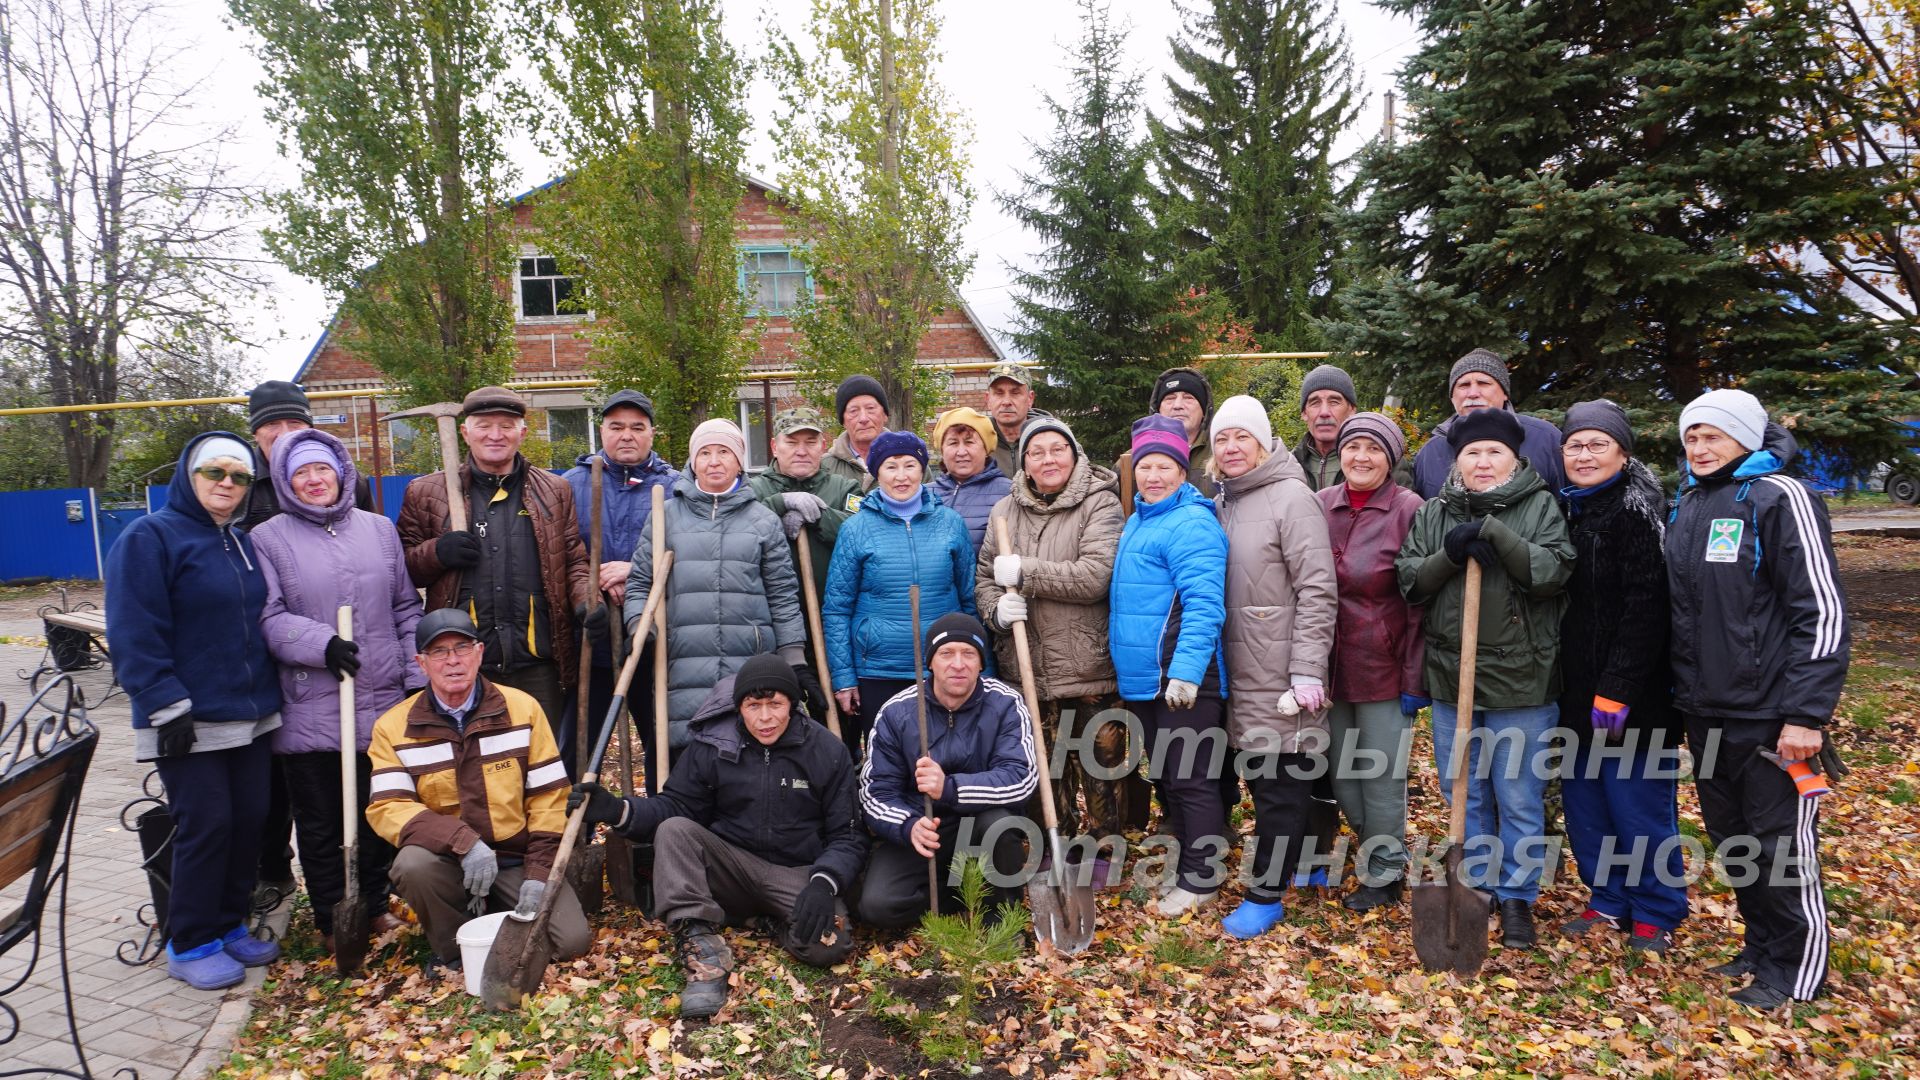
(903, 535)
(183, 618)
(1166, 607)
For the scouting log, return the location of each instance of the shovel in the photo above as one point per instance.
(804, 545)
(657, 760)
(920, 706)
(1063, 908)
(588, 871)
(518, 959)
(352, 930)
(1450, 920)
(620, 879)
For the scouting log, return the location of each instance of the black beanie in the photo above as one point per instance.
(1598, 415)
(763, 674)
(956, 626)
(1183, 379)
(1487, 425)
(277, 400)
(854, 386)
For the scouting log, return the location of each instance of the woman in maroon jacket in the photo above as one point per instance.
(1376, 683)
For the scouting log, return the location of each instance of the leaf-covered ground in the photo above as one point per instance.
(1329, 994)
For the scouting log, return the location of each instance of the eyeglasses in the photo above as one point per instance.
(216, 474)
(1597, 447)
(440, 654)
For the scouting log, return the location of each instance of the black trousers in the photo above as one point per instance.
(313, 788)
(219, 803)
(855, 727)
(599, 699)
(1283, 819)
(1767, 836)
(276, 833)
(1190, 782)
(894, 895)
(542, 681)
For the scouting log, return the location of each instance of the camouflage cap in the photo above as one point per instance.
(1008, 369)
(798, 418)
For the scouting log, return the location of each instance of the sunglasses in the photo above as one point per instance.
(216, 474)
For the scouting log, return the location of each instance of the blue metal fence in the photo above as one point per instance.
(48, 534)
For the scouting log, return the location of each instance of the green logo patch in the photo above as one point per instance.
(1723, 539)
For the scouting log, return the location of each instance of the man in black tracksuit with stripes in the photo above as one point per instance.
(1760, 649)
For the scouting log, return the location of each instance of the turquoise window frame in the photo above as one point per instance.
(753, 306)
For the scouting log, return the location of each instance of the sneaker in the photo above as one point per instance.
(1589, 921)
(1758, 995)
(1516, 924)
(205, 968)
(1368, 897)
(1179, 901)
(1650, 938)
(1251, 919)
(250, 950)
(1737, 968)
(708, 962)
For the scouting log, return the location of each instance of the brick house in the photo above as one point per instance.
(552, 345)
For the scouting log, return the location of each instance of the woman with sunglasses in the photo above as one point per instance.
(184, 597)
(318, 554)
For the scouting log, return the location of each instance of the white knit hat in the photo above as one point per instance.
(1735, 412)
(1247, 414)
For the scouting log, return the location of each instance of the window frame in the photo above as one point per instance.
(796, 252)
(519, 298)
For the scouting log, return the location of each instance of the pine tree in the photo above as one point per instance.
(1246, 154)
(1106, 309)
(1602, 190)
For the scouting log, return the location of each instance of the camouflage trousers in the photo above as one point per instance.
(1112, 806)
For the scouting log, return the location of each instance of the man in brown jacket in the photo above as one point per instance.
(520, 571)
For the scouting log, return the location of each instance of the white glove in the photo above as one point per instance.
(1181, 694)
(1011, 609)
(1289, 704)
(1006, 571)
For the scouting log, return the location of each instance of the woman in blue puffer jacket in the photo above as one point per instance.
(1166, 608)
(902, 536)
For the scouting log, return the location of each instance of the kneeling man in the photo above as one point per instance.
(756, 819)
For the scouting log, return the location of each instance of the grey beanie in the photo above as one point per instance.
(1328, 377)
(1484, 361)
(1035, 426)
(1381, 429)
(1598, 415)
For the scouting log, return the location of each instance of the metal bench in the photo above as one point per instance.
(76, 641)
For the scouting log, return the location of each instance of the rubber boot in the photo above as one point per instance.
(708, 962)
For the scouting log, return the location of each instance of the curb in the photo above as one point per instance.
(216, 1045)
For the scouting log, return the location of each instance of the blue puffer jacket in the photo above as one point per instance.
(985, 747)
(866, 617)
(626, 501)
(1169, 597)
(974, 499)
(183, 612)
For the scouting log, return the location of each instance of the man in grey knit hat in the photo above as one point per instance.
(1479, 380)
(1326, 400)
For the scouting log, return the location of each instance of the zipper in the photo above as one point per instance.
(246, 624)
(766, 787)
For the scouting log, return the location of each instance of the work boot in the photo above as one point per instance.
(708, 962)
(1737, 968)
(1368, 897)
(1516, 924)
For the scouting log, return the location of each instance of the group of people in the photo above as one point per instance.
(1233, 612)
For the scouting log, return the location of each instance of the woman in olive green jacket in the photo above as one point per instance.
(1495, 510)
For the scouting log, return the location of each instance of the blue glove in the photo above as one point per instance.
(1411, 704)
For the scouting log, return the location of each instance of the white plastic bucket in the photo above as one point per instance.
(476, 941)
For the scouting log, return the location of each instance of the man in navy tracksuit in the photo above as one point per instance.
(979, 770)
(1760, 647)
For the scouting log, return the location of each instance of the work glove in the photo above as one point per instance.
(792, 523)
(478, 868)
(804, 503)
(592, 619)
(812, 695)
(1457, 540)
(1481, 551)
(812, 911)
(176, 736)
(1181, 693)
(343, 657)
(1609, 716)
(530, 893)
(457, 550)
(1006, 571)
(1411, 704)
(603, 806)
(1011, 609)
(1311, 696)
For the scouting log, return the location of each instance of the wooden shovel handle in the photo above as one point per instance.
(1051, 814)
(1463, 708)
(805, 547)
(349, 744)
(662, 563)
(595, 598)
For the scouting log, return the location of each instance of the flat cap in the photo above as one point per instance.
(492, 399)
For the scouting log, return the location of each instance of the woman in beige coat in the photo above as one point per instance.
(1064, 519)
(1281, 607)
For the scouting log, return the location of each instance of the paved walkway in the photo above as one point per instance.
(129, 1016)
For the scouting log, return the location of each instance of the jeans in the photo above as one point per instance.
(1506, 793)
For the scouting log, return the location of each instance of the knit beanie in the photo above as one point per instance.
(963, 416)
(1328, 377)
(1184, 379)
(718, 432)
(1158, 434)
(1378, 427)
(762, 674)
(854, 386)
(1246, 413)
(893, 444)
(1038, 424)
(1487, 425)
(1735, 412)
(1598, 415)
(1485, 362)
(222, 445)
(308, 451)
(956, 626)
(277, 400)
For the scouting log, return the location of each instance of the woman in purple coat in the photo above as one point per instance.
(318, 555)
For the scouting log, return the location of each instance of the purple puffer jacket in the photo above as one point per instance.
(316, 559)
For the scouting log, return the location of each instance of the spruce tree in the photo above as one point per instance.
(1246, 154)
(1105, 308)
(1603, 191)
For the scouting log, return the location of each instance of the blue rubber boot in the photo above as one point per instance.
(250, 950)
(1316, 878)
(1251, 919)
(205, 968)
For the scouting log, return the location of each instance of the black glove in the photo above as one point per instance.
(1482, 552)
(592, 619)
(343, 657)
(176, 736)
(811, 693)
(812, 911)
(457, 550)
(1457, 540)
(603, 806)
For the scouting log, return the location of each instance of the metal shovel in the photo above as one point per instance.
(1450, 920)
(1063, 905)
(352, 926)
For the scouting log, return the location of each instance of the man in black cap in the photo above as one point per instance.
(739, 834)
(1480, 380)
(979, 770)
(1184, 394)
(520, 570)
(861, 405)
(1010, 404)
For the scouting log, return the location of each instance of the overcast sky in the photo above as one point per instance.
(1001, 56)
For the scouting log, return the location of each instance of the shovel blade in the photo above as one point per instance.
(1063, 914)
(352, 934)
(515, 965)
(586, 873)
(620, 880)
(1450, 922)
